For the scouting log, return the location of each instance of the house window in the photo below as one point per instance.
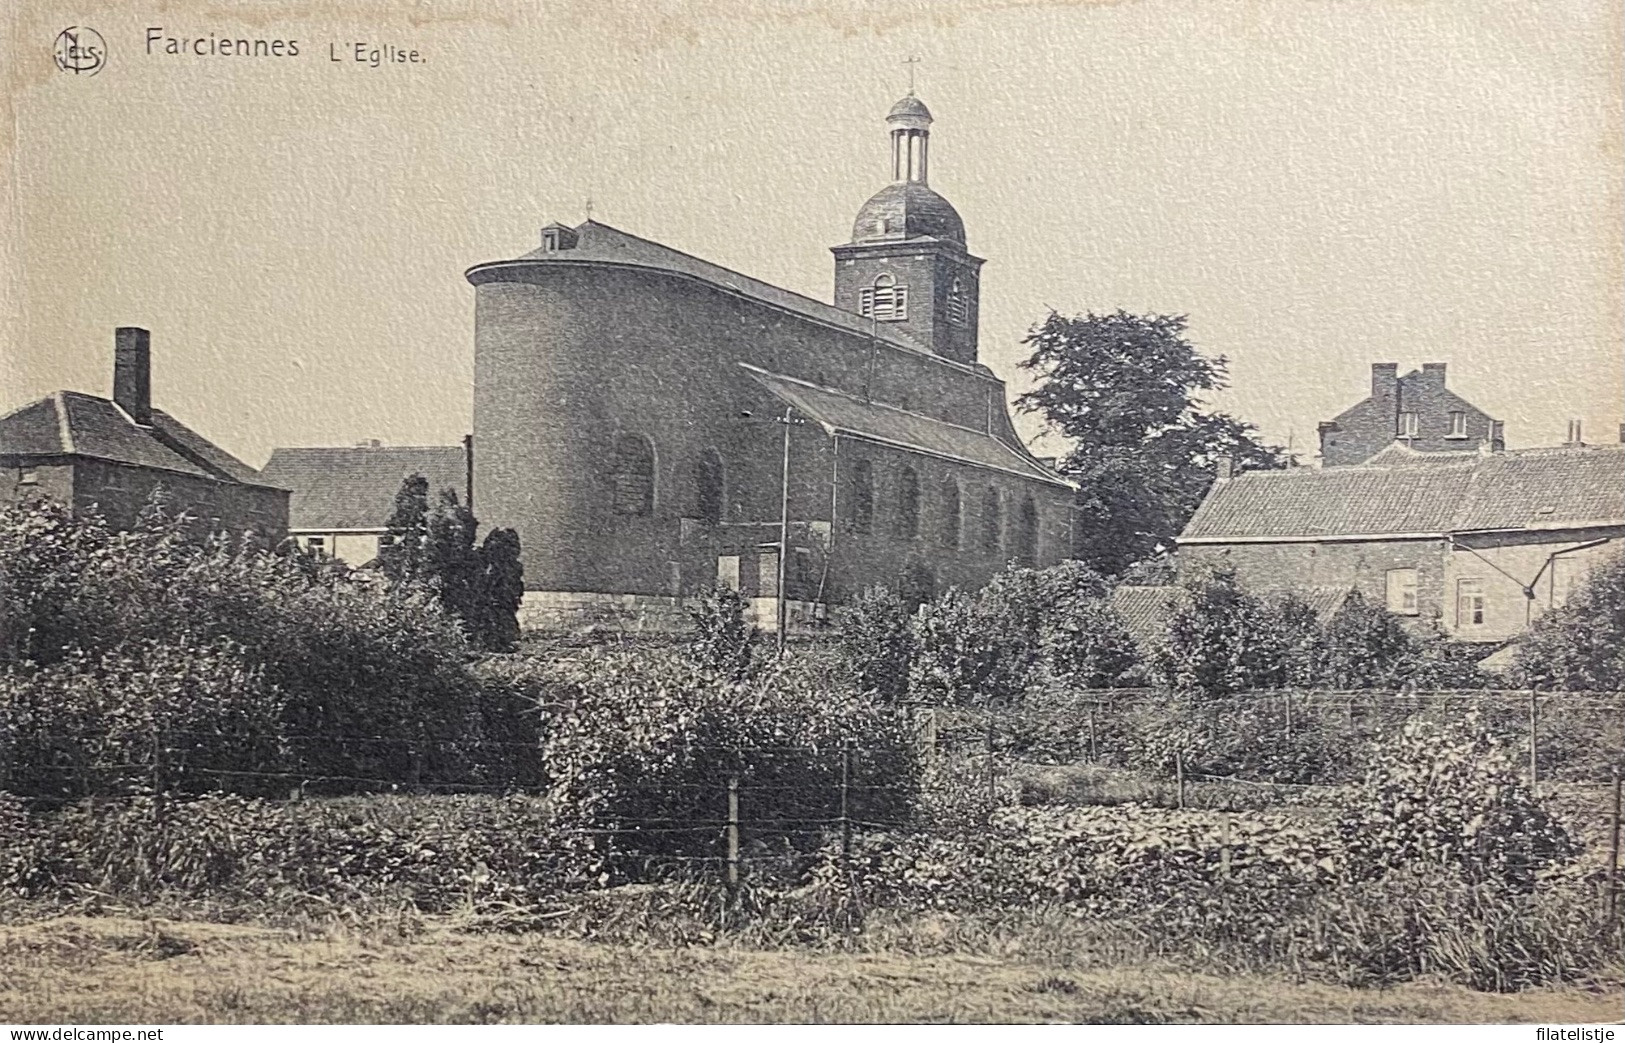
(863, 497)
(958, 304)
(908, 504)
(1469, 603)
(992, 520)
(708, 487)
(883, 300)
(1407, 425)
(1402, 592)
(1458, 424)
(634, 476)
(316, 544)
(948, 531)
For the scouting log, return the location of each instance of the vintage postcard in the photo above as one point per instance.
(824, 511)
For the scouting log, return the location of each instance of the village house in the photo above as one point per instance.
(109, 456)
(1476, 544)
(342, 497)
(1415, 410)
(648, 421)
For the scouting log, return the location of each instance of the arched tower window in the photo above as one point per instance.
(863, 497)
(634, 475)
(958, 304)
(992, 520)
(1026, 548)
(884, 300)
(908, 504)
(708, 487)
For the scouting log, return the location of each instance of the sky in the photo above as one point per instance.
(1316, 184)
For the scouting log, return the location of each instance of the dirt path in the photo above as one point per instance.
(83, 970)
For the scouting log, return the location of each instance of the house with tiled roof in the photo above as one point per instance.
(342, 497)
(1415, 412)
(109, 455)
(1477, 544)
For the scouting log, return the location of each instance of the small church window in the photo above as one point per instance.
(908, 504)
(948, 533)
(958, 304)
(884, 300)
(708, 486)
(863, 497)
(634, 475)
(1026, 548)
(992, 520)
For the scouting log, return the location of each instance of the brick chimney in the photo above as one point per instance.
(1226, 467)
(132, 372)
(1433, 374)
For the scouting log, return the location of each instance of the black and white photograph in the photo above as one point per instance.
(830, 512)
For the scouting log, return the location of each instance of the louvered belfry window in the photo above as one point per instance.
(883, 300)
(958, 304)
(634, 475)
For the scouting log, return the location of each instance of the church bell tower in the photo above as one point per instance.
(907, 267)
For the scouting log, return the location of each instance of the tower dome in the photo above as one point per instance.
(907, 210)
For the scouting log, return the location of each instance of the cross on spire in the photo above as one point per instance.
(911, 61)
(589, 208)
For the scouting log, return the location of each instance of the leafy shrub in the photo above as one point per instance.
(1222, 640)
(370, 681)
(1580, 646)
(140, 719)
(1452, 795)
(1083, 644)
(965, 656)
(876, 642)
(724, 642)
(640, 748)
(434, 853)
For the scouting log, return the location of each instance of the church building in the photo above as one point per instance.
(649, 422)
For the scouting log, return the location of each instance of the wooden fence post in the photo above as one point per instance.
(1091, 732)
(733, 832)
(1612, 903)
(846, 808)
(1179, 778)
(992, 774)
(1289, 715)
(1534, 741)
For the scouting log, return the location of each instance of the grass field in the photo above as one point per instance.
(88, 970)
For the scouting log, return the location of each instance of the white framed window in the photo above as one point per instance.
(1402, 592)
(316, 544)
(1407, 427)
(1458, 424)
(1470, 607)
(884, 300)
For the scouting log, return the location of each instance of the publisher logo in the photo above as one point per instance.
(80, 50)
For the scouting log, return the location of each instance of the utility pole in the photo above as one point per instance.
(784, 533)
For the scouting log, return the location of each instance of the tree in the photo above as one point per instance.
(480, 584)
(1364, 646)
(1580, 646)
(402, 557)
(1223, 640)
(1124, 390)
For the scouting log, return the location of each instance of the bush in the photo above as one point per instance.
(370, 682)
(1223, 640)
(876, 644)
(724, 642)
(1452, 795)
(965, 656)
(640, 747)
(1579, 646)
(1084, 644)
